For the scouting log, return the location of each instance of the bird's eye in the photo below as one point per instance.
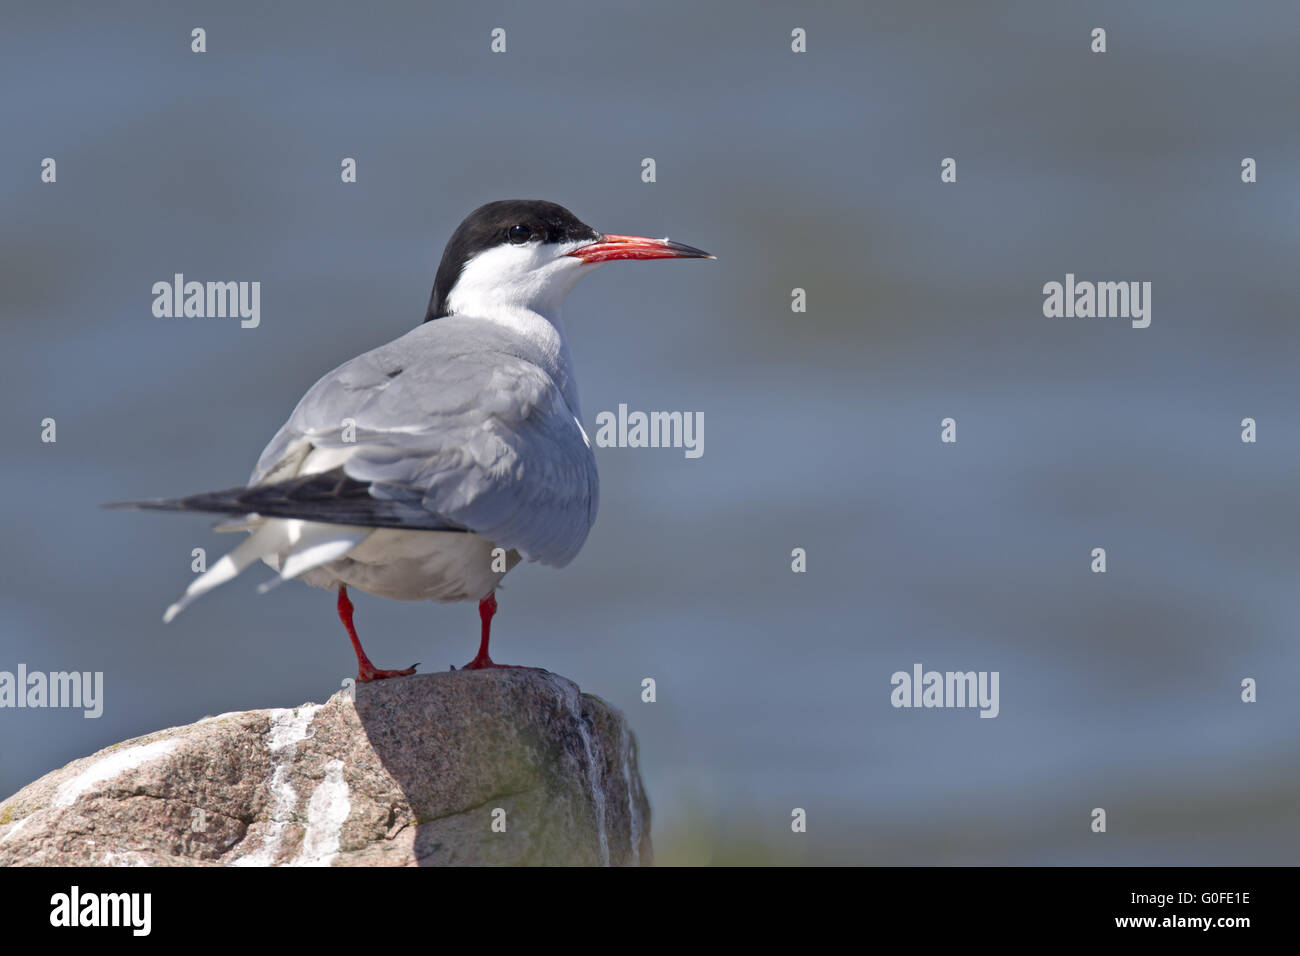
(519, 234)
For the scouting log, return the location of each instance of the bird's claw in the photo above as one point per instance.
(365, 676)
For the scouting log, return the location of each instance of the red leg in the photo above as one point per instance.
(366, 671)
(486, 608)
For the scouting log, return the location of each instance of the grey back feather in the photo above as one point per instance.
(464, 417)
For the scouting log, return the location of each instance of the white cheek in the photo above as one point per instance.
(495, 275)
(532, 276)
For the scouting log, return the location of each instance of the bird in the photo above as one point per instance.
(429, 467)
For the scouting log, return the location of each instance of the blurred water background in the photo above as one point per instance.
(819, 171)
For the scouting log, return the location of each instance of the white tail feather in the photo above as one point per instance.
(301, 545)
(265, 540)
(318, 544)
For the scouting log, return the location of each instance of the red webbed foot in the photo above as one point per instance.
(366, 671)
(369, 672)
(486, 608)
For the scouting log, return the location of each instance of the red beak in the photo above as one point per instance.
(609, 248)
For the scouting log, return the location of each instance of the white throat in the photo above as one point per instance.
(523, 288)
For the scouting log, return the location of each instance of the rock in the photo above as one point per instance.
(413, 773)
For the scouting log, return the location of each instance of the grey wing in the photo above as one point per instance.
(458, 423)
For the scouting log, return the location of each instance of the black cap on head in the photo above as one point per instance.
(490, 226)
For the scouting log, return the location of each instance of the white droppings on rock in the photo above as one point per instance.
(126, 858)
(326, 813)
(17, 826)
(114, 765)
(633, 813)
(569, 690)
(290, 726)
(288, 802)
(287, 728)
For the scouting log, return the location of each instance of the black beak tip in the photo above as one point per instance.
(690, 252)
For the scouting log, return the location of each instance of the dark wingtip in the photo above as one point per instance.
(151, 504)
